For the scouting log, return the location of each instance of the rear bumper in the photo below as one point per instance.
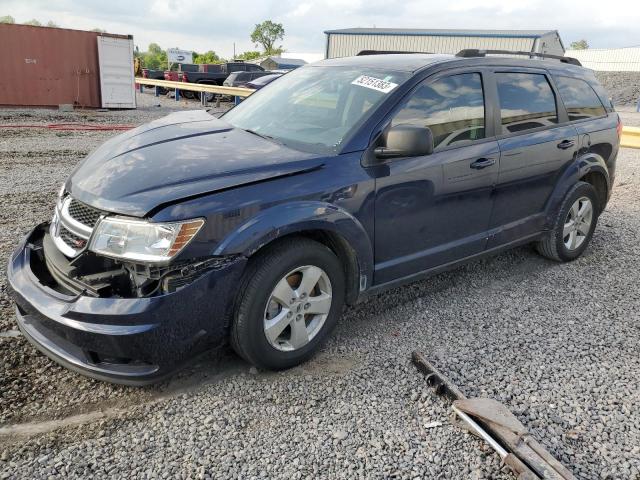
(132, 341)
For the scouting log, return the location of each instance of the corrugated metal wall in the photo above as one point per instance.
(44, 66)
(610, 59)
(345, 45)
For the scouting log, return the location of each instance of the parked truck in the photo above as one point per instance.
(216, 74)
(176, 75)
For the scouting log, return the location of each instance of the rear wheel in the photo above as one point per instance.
(291, 299)
(573, 226)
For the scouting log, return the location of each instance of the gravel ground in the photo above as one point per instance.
(629, 116)
(624, 87)
(557, 343)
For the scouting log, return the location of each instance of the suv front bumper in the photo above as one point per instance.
(133, 341)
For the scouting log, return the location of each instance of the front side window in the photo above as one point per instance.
(452, 107)
(579, 98)
(315, 108)
(526, 101)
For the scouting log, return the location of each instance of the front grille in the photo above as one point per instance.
(72, 240)
(84, 213)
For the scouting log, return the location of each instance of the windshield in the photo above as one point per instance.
(315, 107)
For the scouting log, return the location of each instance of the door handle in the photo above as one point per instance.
(482, 163)
(563, 145)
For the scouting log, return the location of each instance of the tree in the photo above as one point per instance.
(52, 24)
(98, 30)
(207, 57)
(266, 34)
(579, 45)
(155, 57)
(33, 22)
(7, 19)
(250, 55)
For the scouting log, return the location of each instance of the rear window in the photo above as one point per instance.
(580, 100)
(525, 97)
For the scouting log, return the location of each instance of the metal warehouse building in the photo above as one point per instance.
(350, 41)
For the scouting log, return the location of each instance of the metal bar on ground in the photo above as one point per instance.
(481, 433)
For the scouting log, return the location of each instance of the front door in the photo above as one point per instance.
(435, 209)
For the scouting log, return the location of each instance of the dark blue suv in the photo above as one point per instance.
(333, 183)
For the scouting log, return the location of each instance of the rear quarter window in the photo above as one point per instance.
(580, 100)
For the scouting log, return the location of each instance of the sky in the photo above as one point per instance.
(202, 25)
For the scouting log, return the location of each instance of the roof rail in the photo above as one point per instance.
(382, 52)
(474, 52)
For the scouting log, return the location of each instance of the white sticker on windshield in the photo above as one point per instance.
(374, 83)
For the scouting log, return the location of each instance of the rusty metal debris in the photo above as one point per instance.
(494, 423)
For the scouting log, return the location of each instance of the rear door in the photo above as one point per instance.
(435, 209)
(534, 148)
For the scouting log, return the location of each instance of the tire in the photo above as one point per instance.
(209, 96)
(188, 94)
(555, 245)
(257, 307)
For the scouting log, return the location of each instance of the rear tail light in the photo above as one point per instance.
(619, 127)
(185, 77)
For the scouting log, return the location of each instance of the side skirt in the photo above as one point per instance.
(377, 289)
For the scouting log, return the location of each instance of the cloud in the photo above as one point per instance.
(204, 25)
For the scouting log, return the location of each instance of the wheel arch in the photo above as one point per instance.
(590, 168)
(325, 223)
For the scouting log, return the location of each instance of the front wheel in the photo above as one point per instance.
(289, 302)
(573, 226)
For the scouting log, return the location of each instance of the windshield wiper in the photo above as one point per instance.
(261, 135)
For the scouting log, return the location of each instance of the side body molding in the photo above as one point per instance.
(299, 216)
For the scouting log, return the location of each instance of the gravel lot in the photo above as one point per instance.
(557, 343)
(624, 87)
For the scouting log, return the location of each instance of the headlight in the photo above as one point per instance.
(142, 241)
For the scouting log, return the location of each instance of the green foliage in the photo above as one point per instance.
(266, 34)
(7, 19)
(207, 57)
(98, 30)
(154, 58)
(250, 55)
(579, 45)
(33, 22)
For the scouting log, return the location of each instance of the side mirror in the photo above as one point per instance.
(406, 141)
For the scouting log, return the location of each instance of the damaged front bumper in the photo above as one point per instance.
(135, 340)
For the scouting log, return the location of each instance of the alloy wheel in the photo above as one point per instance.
(297, 308)
(578, 223)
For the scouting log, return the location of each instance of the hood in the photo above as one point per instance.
(182, 155)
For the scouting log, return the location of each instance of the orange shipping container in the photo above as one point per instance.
(43, 66)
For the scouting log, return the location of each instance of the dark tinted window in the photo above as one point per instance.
(579, 98)
(452, 107)
(525, 97)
